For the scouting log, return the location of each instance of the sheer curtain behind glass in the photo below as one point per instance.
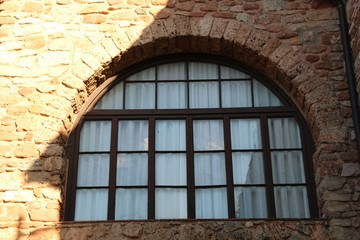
(179, 144)
(93, 171)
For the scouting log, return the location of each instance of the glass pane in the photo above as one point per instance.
(170, 203)
(131, 204)
(170, 135)
(113, 99)
(284, 133)
(287, 167)
(171, 95)
(170, 169)
(291, 202)
(133, 135)
(198, 70)
(236, 94)
(91, 204)
(208, 135)
(209, 169)
(211, 203)
(230, 73)
(263, 97)
(140, 96)
(93, 170)
(245, 133)
(250, 202)
(95, 136)
(204, 95)
(132, 169)
(248, 167)
(172, 71)
(145, 75)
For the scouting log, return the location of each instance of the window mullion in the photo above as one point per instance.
(229, 171)
(190, 168)
(151, 169)
(112, 170)
(267, 168)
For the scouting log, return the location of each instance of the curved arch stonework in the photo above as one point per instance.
(55, 54)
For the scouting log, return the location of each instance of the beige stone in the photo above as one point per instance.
(26, 150)
(19, 196)
(94, 19)
(46, 215)
(13, 211)
(54, 58)
(11, 180)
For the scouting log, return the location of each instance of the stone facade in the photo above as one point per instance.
(55, 53)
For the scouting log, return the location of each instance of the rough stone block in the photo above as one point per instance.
(19, 196)
(26, 150)
(45, 215)
(11, 180)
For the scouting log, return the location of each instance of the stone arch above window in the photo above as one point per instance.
(190, 137)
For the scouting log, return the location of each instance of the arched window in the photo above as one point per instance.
(190, 138)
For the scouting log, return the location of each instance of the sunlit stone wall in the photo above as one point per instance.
(55, 53)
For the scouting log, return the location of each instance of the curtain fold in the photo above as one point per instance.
(211, 203)
(291, 202)
(113, 99)
(91, 204)
(131, 204)
(236, 94)
(250, 202)
(245, 134)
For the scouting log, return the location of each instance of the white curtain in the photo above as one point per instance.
(250, 202)
(211, 203)
(93, 170)
(236, 94)
(208, 135)
(133, 135)
(170, 169)
(291, 202)
(245, 134)
(132, 169)
(145, 75)
(263, 97)
(248, 167)
(113, 99)
(170, 203)
(199, 70)
(140, 96)
(171, 95)
(171, 71)
(204, 95)
(284, 133)
(230, 73)
(91, 204)
(131, 203)
(170, 135)
(287, 167)
(209, 169)
(95, 136)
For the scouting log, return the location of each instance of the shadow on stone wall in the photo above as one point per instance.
(47, 176)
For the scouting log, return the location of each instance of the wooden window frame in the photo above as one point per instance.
(262, 113)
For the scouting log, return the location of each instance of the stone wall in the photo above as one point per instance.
(55, 53)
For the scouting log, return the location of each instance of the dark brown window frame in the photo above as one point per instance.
(262, 113)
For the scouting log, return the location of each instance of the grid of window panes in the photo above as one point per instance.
(191, 85)
(176, 165)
